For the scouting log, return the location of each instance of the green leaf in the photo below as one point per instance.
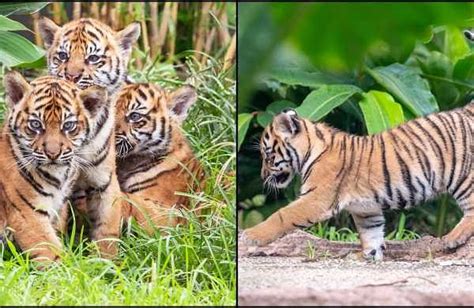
(19, 8)
(16, 50)
(264, 118)
(243, 125)
(259, 200)
(455, 46)
(321, 101)
(464, 69)
(381, 112)
(6, 24)
(292, 76)
(406, 85)
(437, 64)
(252, 218)
(38, 64)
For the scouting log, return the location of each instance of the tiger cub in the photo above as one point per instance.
(88, 53)
(367, 175)
(154, 159)
(48, 122)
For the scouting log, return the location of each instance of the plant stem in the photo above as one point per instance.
(201, 32)
(76, 10)
(57, 6)
(38, 39)
(171, 37)
(230, 54)
(441, 216)
(459, 83)
(163, 27)
(153, 28)
(94, 10)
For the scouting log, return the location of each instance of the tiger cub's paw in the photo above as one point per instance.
(374, 253)
(256, 237)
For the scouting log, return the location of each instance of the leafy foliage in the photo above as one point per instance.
(16, 50)
(362, 77)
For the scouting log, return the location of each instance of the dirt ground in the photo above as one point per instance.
(283, 275)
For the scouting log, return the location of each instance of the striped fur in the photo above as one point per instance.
(154, 159)
(48, 123)
(367, 175)
(89, 52)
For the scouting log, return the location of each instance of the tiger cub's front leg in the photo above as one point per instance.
(34, 233)
(303, 212)
(104, 212)
(371, 232)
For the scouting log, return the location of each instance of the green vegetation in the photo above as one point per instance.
(361, 67)
(193, 264)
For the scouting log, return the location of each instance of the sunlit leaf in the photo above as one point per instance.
(323, 100)
(406, 85)
(381, 112)
(243, 125)
(455, 46)
(7, 8)
(15, 50)
(6, 24)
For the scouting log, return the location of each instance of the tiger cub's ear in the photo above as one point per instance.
(287, 122)
(15, 88)
(94, 99)
(127, 37)
(48, 29)
(180, 102)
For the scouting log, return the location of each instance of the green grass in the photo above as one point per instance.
(325, 231)
(190, 265)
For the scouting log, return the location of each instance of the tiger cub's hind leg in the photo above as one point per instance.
(371, 232)
(465, 228)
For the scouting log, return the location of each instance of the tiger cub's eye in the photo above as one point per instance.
(35, 125)
(93, 58)
(134, 116)
(62, 55)
(69, 126)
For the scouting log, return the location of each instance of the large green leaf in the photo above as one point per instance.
(464, 69)
(321, 101)
(264, 118)
(455, 46)
(16, 50)
(439, 68)
(243, 125)
(406, 85)
(292, 76)
(381, 112)
(6, 24)
(7, 8)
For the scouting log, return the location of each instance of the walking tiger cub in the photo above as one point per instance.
(48, 122)
(154, 158)
(366, 175)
